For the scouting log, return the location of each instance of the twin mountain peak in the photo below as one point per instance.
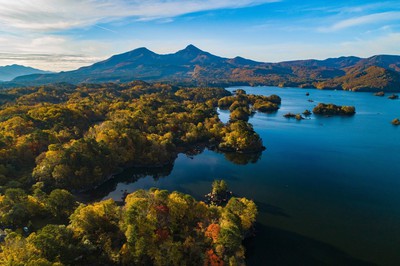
(193, 66)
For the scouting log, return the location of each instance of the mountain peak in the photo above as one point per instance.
(238, 60)
(141, 53)
(140, 50)
(15, 66)
(10, 72)
(191, 47)
(193, 55)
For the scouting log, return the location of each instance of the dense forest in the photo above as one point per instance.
(75, 137)
(56, 140)
(332, 109)
(152, 227)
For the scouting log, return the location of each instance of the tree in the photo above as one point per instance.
(219, 187)
(245, 209)
(14, 208)
(97, 225)
(240, 113)
(17, 251)
(78, 164)
(241, 137)
(61, 203)
(55, 243)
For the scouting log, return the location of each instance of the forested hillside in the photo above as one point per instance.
(76, 137)
(60, 139)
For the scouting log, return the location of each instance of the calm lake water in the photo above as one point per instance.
(327, 188)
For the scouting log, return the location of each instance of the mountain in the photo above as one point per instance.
(8, 73)
(384, 61)
(192, 66)
(140, 63)
(372, 78)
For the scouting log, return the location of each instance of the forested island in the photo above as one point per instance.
(332, 109)
(59, 139)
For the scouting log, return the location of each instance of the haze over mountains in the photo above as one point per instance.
(192, 66)
(10, 72)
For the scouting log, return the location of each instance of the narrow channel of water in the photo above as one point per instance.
(327, 188)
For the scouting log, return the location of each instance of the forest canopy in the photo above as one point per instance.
(153, 227)
(57, 140)
(75, 137)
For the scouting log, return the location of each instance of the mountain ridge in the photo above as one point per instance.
(9, 72)
(193, 66)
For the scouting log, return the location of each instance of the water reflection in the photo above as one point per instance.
(129, 175)
(133, 174)
(242, 158)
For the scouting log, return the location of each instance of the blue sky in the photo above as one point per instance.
(66, 34)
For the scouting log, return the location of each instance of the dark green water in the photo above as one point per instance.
(327, 188)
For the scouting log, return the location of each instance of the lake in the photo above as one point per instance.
(327, 188)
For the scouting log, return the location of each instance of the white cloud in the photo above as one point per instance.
(50, 62)
(49, 52)
(387, 44)
(35, 33)
(50, 15)
(363, 20)
(367, 7)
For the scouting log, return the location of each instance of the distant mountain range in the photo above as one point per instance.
(192, 66)
(8, 73)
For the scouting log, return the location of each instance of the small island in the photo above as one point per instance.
(393, 97)
(299, 117)
(289, 115)
(219, 195)
(296, 116)
(244, 101)
(380, 93)
(396, 122)
(332, 109)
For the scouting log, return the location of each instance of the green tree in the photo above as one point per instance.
(97, 225)
(61, 203)
(219, 187)
(55, 243)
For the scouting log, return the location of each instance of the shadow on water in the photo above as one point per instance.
(133, 174)
(129, 175)
(275, 246)
(271, 209)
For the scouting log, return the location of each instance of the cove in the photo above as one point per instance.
(327, 188)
